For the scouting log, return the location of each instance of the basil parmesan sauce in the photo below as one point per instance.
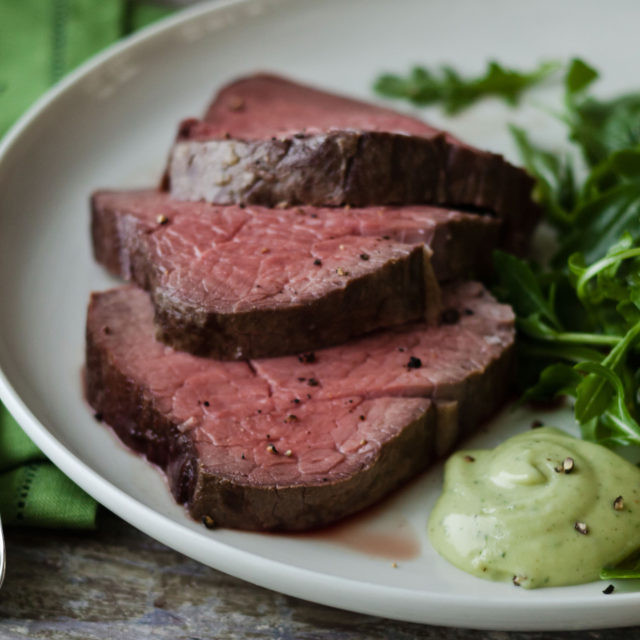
(541, 509)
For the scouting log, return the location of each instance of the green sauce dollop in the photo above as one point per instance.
(509, 514)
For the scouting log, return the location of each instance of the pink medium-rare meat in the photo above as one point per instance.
(268, 140)
(288, 108)
(232, 284)
(256, 446)
(238, 282)
(472, 336)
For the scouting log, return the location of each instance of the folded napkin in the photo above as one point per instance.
(33, 492)
(40, 41)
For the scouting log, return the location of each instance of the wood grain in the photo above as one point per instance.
(118, 583)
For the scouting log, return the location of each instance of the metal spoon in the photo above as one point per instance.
(3, 555)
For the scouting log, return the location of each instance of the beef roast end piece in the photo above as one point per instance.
(294, 144)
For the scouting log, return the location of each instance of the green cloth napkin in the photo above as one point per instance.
(33, 492)
(40, 41)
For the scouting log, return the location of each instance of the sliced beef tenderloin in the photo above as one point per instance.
(254, 448)
(267, 140)
(465, 360)
(235, 282)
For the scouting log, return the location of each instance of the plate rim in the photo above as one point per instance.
(373, 599)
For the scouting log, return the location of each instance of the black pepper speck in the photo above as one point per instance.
(450, 316)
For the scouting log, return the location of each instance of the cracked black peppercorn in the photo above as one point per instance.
(450, 316)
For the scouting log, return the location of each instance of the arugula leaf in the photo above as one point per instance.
(555, 380)
(579, 76)
(599, 127)
(628, 568)
(556, 189)
(594, 215)
(603, 221)
(617, 416)
(520, 287)
(603, 215)
(455, 92)
(611, 281)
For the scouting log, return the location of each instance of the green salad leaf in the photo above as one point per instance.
(554, 173)
(599, 127)
(579, 76)
(578, 317)
(578, 314)
(629, 568)
(446, 86)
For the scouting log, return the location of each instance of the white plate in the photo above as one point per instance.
(111, 123)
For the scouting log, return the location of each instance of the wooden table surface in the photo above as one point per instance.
(117, 582)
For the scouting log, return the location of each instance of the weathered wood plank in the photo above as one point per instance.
(118, 583)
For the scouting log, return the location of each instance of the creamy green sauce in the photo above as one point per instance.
(507, 514)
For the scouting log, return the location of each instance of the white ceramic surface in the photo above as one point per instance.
(110, 124)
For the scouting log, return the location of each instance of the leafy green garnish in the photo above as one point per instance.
(521, 289)
(629, 568)
(556, 188)
(597, 356)
(577, 315)
(579, 319)
(579, 77)
(446, 86)
(593, 215)
(599, 127)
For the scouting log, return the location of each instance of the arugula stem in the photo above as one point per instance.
(570, 353)
(600, 265)
(569, 337)
(589, 338)
(615, 355)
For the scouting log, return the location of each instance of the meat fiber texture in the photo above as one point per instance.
(268, 140)
(297, 442)
(244, 282)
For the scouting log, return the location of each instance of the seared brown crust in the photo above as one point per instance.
(302, 507)
(132, 413)
(403, 290)
(129, 409)
(433, 430)
(358, 168)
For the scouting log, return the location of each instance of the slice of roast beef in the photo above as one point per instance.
(265, 444)
(268, 140)
(250, 282)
